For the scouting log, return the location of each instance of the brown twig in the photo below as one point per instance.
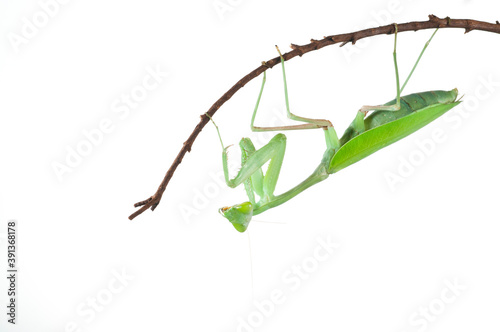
(433, 22)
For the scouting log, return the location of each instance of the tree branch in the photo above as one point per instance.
(353, 37)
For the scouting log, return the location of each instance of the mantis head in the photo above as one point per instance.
(239, 215)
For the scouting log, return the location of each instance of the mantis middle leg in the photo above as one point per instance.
(331, 138)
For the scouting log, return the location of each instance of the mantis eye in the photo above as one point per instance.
(239, 215)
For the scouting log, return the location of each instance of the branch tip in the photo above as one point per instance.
(144, 202)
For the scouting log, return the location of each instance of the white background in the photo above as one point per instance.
(186, 268)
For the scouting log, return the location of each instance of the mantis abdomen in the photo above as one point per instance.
(409, 104)
(383, 128)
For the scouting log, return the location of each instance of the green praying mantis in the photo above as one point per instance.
(386, 124)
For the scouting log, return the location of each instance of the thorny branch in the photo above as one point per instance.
(433, 22)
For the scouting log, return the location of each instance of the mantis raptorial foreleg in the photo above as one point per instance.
(252, 161)
(251, 166)
(253, 185)
(274, 151)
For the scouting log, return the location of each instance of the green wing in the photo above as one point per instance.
(377, 138)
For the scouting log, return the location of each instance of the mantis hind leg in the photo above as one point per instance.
(397, 105)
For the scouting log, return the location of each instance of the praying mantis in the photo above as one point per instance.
(386, 124)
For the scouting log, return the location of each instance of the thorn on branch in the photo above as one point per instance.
(351, 40)
(433, 18)
(468, 27)
(332, 38)
(188, 148)
(297, 48)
